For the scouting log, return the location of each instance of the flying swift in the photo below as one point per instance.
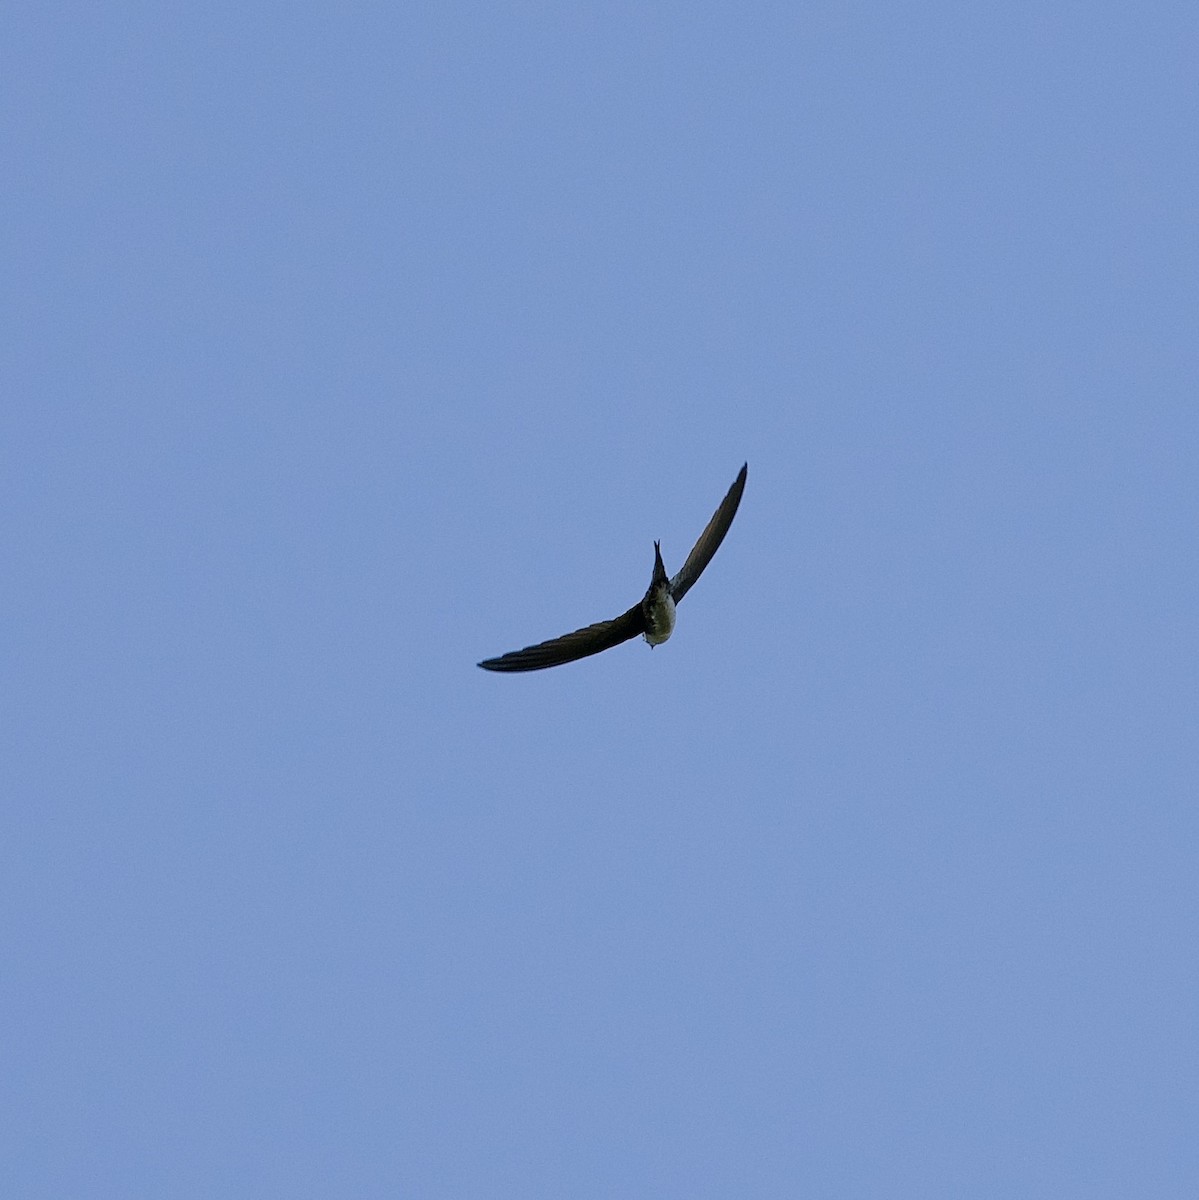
(653, 616)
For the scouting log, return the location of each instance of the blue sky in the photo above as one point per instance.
(347, 346)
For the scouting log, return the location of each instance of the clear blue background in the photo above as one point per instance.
(345, 345)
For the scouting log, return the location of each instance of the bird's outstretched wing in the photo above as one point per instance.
(709, 540)
(590, 640)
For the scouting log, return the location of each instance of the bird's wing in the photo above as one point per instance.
(591, 640)
(709, 540)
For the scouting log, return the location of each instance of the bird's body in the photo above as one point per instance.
(659, 617)
(653, 616)
(658, 605)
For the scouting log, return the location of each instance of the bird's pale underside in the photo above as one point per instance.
(652, 615)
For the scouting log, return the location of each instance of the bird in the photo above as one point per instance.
(653, 616)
